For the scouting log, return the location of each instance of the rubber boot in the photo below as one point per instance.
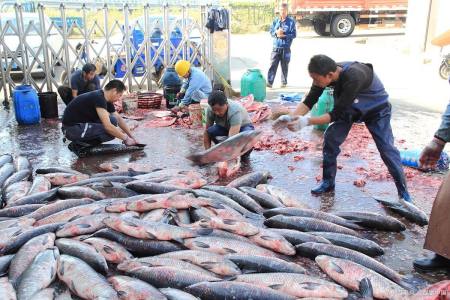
(434, 263)
(325, 186)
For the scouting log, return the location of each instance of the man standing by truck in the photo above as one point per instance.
(283, 32)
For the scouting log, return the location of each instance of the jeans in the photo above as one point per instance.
(283, 56)
(89, 133)
(378, 123)
(220, 131)
(195, 97)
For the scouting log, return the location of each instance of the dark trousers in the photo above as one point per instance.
(379, 125)
(89, 133)
(220, 131)
(283, 56)
(65, 92)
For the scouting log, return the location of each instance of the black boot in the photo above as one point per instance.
(434, 263)
(325, 186)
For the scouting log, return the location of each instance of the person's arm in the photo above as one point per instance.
(195, 83)
(103, 115)
(123, 125)
(206, 139)
(311, 98)
(235, 124)
(234, 130)
(74, 93)
(292, 31)
(209, 123)
(74, 85)
(273, 31)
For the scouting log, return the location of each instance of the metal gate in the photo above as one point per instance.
(133, 43)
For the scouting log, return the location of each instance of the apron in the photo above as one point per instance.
(438, 234)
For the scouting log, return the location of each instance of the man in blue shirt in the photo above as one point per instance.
(81, 81)
(197, 85)
(283, 31)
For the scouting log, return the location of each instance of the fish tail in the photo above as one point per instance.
(365, 288)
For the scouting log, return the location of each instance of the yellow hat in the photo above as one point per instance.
(182, 67)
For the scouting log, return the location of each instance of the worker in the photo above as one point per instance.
(438, 234)
(359, 96)
(91, 119)
(224, 118)
(196, 86)
(81, 81)
(283, 32)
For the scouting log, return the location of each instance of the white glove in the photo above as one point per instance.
(298, 123)
(281, 122)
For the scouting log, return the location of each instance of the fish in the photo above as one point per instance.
(45, 294)
(129, 172)
(113, 252)
(231, 148)
(83, 225)
(250, 180)
(163, 277)
(226, 169)
(5, 172)
(225, 290)
(183, 216)
(212, 262)
(5, 158)
(298, 285)
(40, 184)
(136, 246)
(23, 175)
(39, 275)
(82, 280)
(365, 246)
(129, 288)
(113, 189)
(7, 291)
(83, 251)
(226, 246)
(228, 235)
(306, 224)
(38, 198)
(56, 169)
(238, 227)
(74, 192)
(236, 195)
(312, 250)
(15, 243)
(147, 187)
(223, 200)
(125, 166)
(174, 294)
(271, 240)
(59, 179)
(283, 196)
(5, 262)
(185, 182)
(373, 220)
(8, 233)
(152, 230)
(173, 200)
(17, 222)
(263, 199)
(73, 213)
(405, 209)
(349, 274)
(264, 264)
(155, 215)
(57, 206)
(105, 149)
(159, 175)
(310, 213)
(27, 253)
(16, 191)
(22, 163)
(19, 211)
(119, 179)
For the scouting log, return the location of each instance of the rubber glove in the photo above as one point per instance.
(281, 122)
(298, 123)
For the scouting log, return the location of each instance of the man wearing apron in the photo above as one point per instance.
(359, 96)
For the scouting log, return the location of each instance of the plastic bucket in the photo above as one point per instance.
(48, 103)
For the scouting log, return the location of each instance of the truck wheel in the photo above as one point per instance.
(342, 25)
(444, 71)
(320, 27)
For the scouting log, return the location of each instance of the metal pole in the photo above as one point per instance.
(207, 53)
(128, 47)
(185, 33)
(148, 57)
(167, 44)
(86, 34)
(23, 52)
(44, 47)
(3, 73)
(66, 43)
(108, 42)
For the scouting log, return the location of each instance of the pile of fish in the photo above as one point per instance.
(169, 234)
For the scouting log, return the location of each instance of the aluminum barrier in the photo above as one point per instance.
(135, 46)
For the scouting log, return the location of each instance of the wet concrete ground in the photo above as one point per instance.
(167, 147)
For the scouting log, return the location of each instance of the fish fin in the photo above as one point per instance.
(61, 269)
(99, 210)
(231, 251)
(201, 245)
(172, 210)
(204, 231)
(151, 235)
(253, 216)
(206, 264)
(131, 224)
(18, 232)
(217, 205)
(365, 288)
(179, 240)
(73, 218)
(310, 285)
(108, 249)
(72, 287)
(276, 286)
(122, 294)
(267, 238)
(229, 278)
(229, 222)
(107, 183)
(151, 201)
(83, 225)
(336, 268)
(196, 206)
(248, 271)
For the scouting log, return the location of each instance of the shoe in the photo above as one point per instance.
(246, 155)
(284, 85)
(78, 148)
(324, 187)
(434, 263)
(269, 85)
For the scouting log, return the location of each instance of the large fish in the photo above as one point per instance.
(284, 196)
(238, 196)
(105, 149)
(312, 250)
(129, 288)
(264, 199)
(173, 200)
(271, 240)
(19, 211)
(373, 220)
(27, 253)
(16, 191)
(40, 184)
(45, 294)
(113, 189)
(226, 290)
(47, 170)
(5, 172)
(113, 252)
(264, 264)
(224, 200)
(83, 251)
(235, 226)
(22, 163)
(128, 172)
(7, 291)
(348, 241)
(297, 285)
(119, 179)
(82, 280)
(57, 206)
(171, 262)
(23, 175)
(73, 213)
(139, 247)
(250, 180)
(148, 187)
(5, 262)
(58, 179)
(231, 148)
(38, 198)
(39, 275)
(5, 158)
(213, 262)
(405, 209)
(83, 225)
(306, 224)
(175, 294)
(349, 275)
(296, 237)
(80, 192)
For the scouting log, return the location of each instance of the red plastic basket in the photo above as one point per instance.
(148, 100)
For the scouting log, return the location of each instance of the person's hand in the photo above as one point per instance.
(129, 141)
(280, 32)
(431, 154)
(298, 123)
(281, 122)
(180, 95)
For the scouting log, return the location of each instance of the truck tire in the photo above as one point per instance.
(342, 25)
(320, 27)
(444, 71)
